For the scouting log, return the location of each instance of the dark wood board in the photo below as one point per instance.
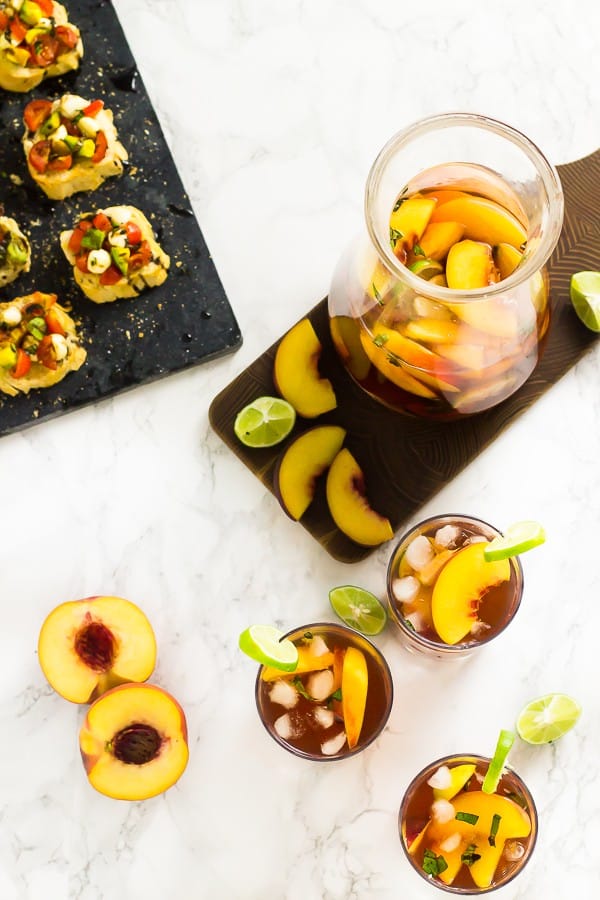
(406, 461)
(188, 319)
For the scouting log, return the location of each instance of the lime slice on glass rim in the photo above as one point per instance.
(505, 741)
(547, 718)
(519, 538)
(359, 609)
(264, 422)
(585, 297)
(266, 645)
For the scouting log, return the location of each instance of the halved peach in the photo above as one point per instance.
(438, 237)
(507, 258)
(303, 461)
(348, 504)
(484, 220)
(296, 373)
(459, 588)
(355, 685)
(470, 265)
(133, 742)
(87, 646)
(408, 222)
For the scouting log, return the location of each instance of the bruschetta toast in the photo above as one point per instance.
(15, 252)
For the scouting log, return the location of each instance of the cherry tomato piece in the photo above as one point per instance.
(54, 323)
(101, 147)
(111, 276)
(39, 155)
(141, 257)
(44, 50)
(134, 233)
(66, 36)
(74, 244)
(46, 353)
(60, 163)
(17, 29)
(36, 112)
(22, 365)
(94, 107)
(3, 21)
(46, 6)
(102, 222)
(81, 263)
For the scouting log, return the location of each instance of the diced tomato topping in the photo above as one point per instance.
(18, 29)
(22, 365)
(141, 257)
(36, 112)
(46, 6)
(134, 232)
(60, 163)
(3, 21)
(39, 155)
(101, 147)
(111, 276)
(72, 129)
(46, 353)
(94, 108)
(102, 222)
(85, 225)
(54, 323)
(81, 263)
(44, 51)
(67, 37)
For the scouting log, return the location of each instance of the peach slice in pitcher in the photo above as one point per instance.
(484, 220)
(408, 221)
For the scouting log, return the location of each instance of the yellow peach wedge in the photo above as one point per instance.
(459, 775)
(460, 586)
(355, 685)
(133, 742)
(483, 220)
(296, 373)
(348, 504)
(307, 662)
(507, 259)
(301, 464)
(470, 265)
(408, 222)
(88, 646)
(439, 237)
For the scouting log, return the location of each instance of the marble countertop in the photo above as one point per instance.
(274, 111)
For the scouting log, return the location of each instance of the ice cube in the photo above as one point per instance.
(513, 850)
(283, 727)
(284, 694)
(447, 535)
(476, 539)
(318, 647)
(419, 553)
(324, 717)
(417, 621)
(441, 778)
(442, 811)
(478, 628)
(405, 589)
(334, 744)
(320, 684)
(451, 842)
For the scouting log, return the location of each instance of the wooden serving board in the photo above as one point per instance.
(185, 321)
(407, 460)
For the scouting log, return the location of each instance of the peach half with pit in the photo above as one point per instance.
(88, 646)
(133, 742)
(349, 506)
(296, 372)
(301, 464)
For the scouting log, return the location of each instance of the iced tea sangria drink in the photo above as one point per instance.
(336, 701)
(444, 596)
(443, 310)
(460, 838)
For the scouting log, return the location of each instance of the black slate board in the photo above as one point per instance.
(406, 460)
(187, 320)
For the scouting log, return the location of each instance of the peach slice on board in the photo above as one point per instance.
(459, 588)
(355, 685)
(470, 265)
(484, 220)
(348, 504)
(300, 465)
(87, 646)
(133, 742)
(296, 373)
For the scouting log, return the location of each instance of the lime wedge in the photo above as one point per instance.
(505, 741)
(585, 297)
(547, 718)
(359, 609)
(266, 645)
(426, 268)
(517, 539)
(264, 422)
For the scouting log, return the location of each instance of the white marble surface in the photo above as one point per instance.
(274, 110)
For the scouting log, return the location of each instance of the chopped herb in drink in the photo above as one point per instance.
(297, 682)
(337, 695)
(395, 236)
(470, 855)
(418, 250)
(494, 829)
(380, 339)
(432, 864)
(470, 818)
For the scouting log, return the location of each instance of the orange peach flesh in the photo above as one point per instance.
(87, 646)
(349, 506)
(115, 721)
(296, 374)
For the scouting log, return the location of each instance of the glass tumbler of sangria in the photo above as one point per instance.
(445, 598)
(337, 700)
(442, 308)
(461, 839)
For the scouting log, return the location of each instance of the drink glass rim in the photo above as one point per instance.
(547, 171)
(387, 677)
(437, 646)
(531, 811)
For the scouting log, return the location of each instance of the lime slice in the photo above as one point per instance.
(266, 645)
(426, 268)
(264, 422)
(585, 297)
(517, 539)
(547, 718)
(505, 741)
(359, 609)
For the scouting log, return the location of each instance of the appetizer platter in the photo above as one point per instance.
(106, 281)
(407, 460)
